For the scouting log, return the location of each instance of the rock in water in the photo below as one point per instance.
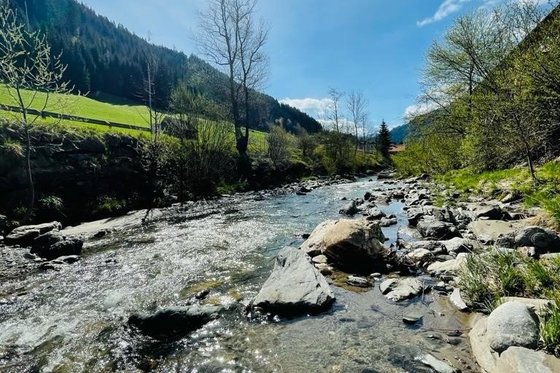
(175, 322)
(512, 324)
(53, 244)
(402, 288)
(295, 287)
(351, 245)
(25, 234)
(436, 364)
(437, 229)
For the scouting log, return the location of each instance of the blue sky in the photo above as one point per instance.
(373, 46)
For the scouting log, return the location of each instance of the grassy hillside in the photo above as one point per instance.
(86, 107)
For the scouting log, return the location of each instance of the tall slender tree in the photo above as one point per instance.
(231, 39)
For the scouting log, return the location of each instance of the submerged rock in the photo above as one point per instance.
(357, 281)
(436, 364)
(294, 287)
(352, 245)
(175, 322)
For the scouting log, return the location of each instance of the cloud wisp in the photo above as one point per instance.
(445, 9)
(316, 107)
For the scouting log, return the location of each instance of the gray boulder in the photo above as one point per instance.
(437, 229)
(352, 245)
(489, 213)
(489, 231)
(25, 234)
(294, 287)
(175, 322)
(375, 214)
(512, 324)
(543, 240)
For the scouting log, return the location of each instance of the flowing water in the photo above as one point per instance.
(74, 320)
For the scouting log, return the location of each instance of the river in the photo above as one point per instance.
(74, 320)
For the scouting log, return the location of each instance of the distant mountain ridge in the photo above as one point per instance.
(399, 134)
(107, 60)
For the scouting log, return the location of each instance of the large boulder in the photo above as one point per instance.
(25, 234)
(175, 322)
(524, 360)
(54, 244)
(512, 324)
(436, 229)
(458, 245)
(448, 267)
(483, 354)
(294, 287)
(489, 213)
(543, 240)
(352, 245)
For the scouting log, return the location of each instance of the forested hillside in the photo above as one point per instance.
(110, 62)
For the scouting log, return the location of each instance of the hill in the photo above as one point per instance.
(106, 59)
(398, 134)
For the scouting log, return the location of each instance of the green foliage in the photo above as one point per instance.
(110, 206)
(51, 202)
(384, 140)
(280, 144)
(549, 327)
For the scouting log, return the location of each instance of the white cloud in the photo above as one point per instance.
(419, 109)
(316, 107)
(445, 9)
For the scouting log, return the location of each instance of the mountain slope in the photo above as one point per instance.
(108, 60)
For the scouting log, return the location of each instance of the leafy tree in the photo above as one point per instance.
(27, 64)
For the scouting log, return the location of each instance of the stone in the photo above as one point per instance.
(458, 245)
(175, 322)
(351, 245)
(451, 267)
(543, 240)
(53, 244)
(436, 364)
(512, 324)
(357, 281)
(402, 288)
(375, 214)
(25, 234)
(457, 300)
(388, 222)
(325, 269)
(539, 306)
(412, 319)
(437, 229)
(523, 360)
(433, 246)
(483, 354)
(489, 231)
(414, 215)
(419, 256)
(294, 287)
(351, 209)
(320, 259)
(3, 223)
(489, 213)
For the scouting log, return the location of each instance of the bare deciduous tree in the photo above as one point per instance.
(32, 75)
(230, 38)
(334, 107)
(356, 104)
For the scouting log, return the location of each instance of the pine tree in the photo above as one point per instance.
(384, 140)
